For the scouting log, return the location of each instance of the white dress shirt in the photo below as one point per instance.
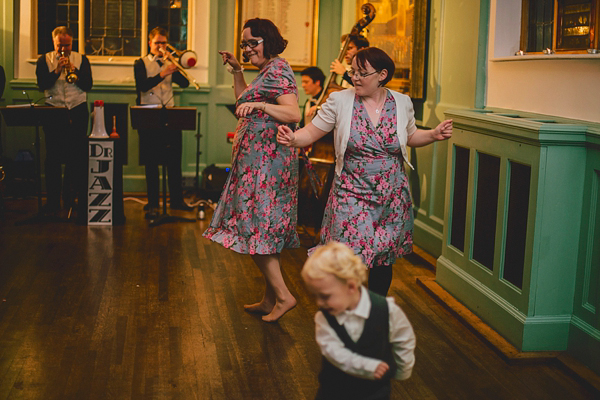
(401, 335)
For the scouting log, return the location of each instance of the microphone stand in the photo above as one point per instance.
(40, 216)
(165, 217)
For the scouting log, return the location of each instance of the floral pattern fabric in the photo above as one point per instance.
(369, 207)
(257, 211)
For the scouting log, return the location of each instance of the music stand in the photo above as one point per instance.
(34, 116)
(164, 119)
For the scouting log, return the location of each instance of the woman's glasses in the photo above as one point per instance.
(252, 43)
(361, 75)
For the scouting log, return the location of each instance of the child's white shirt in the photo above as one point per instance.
(401, 335)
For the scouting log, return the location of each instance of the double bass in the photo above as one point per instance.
(368, 10)
(318, 166)
(323, 148)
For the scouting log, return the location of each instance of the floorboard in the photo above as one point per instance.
(135, 312)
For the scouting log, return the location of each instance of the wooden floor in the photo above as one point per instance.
(156, 313)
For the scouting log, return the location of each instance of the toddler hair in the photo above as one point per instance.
(336, 259)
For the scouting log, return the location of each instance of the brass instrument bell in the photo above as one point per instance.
(187, 58)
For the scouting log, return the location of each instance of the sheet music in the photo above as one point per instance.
(149, 106)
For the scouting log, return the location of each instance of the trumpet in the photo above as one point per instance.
(71, 75)
(187, 59)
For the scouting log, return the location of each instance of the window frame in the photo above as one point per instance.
(595, 14)
(109, 59)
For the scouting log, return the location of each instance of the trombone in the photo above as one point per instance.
(187, 59)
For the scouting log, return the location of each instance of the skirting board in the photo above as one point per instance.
(526, 333)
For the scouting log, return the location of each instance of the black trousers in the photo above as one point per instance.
(66, 143)
(162, 147)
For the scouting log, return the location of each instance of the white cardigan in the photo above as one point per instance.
(336, 115)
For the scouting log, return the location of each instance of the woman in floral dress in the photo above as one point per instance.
(369, 207)
(257, 211)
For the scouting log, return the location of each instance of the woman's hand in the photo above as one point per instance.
(246, 109)
(285, 135)
(229, 58)
(443, 131)
(381, 369)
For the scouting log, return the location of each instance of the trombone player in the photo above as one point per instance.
(153, 82)
(65, 77)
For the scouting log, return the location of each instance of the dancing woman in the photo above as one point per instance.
(257, 211)
(369, 207)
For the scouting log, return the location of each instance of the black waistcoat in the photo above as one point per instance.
(374, 342)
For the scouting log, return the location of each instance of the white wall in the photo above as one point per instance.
(113, 71)
(561, 85)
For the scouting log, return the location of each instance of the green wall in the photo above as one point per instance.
(212, 100)
(452, 82)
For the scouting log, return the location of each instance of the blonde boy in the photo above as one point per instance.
(366, 340)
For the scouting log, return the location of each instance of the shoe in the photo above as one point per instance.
(147, 206)
(152, 213)
(182, 205)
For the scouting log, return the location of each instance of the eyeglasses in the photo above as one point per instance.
(361, 75)
(252, 43)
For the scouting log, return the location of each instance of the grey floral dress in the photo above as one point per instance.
(257, 210)
(369, 207)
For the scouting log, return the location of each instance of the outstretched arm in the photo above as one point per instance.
(301, 138)
(424, 137)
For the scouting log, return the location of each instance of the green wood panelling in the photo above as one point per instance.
(554, 257)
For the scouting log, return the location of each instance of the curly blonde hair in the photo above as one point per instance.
(336, 259)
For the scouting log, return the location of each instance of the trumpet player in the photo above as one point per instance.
(66, 141)
(154, 76)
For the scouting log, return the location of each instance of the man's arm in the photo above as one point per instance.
(2, 81)
(180, 79)
(45, 78)
(347, 78)
(143, 83)
(84, 74)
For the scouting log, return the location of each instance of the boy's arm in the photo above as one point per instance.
(402, 338)
(336, 353)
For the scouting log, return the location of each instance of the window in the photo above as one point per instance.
(173, 16)
(560, 25)
(53, 13)
(112, 27)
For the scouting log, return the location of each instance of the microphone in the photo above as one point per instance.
(163, 117)
(28, 98)
(40, 99)
(161, 102)
(245, 57)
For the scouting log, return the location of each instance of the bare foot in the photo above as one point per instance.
(259, 308)
(281, 307)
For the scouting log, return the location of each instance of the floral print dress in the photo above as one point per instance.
(369, 207)
(257, 210)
